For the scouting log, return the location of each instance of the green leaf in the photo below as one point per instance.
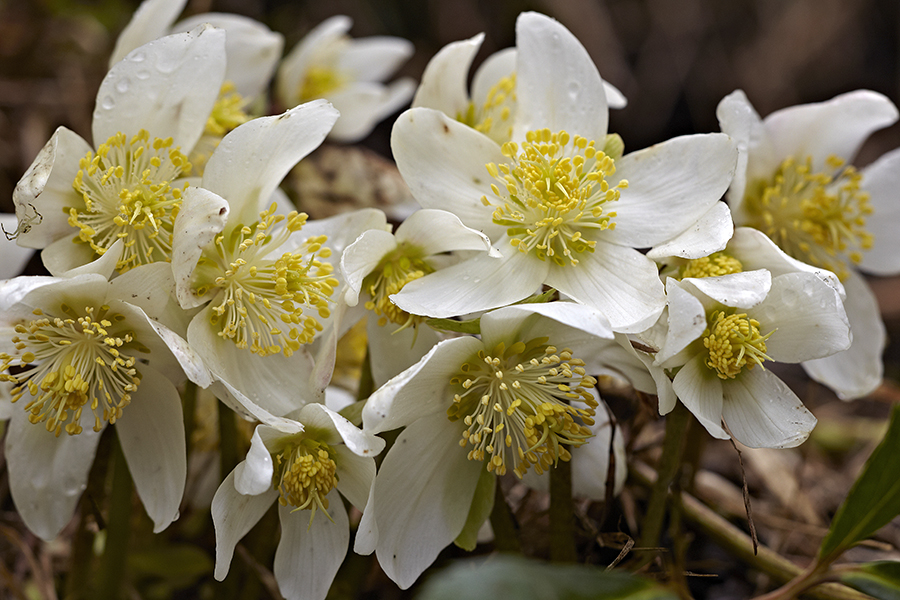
(879, 579)
(180, 562)
(482, 504)
(874, 499)
(508, 576)
(472, 326)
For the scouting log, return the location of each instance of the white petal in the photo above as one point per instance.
(391, 351)
(443, 163)
(443, 84)
(167, 87)
(46, 189)
(494, 68)
(756, 251)
(189, 361)
(761, 411)
(253, 475)
(251, 160)
(201, 217)
(881, 180)
(319, 417)
(342, 229)
(252, 49)
(149, 287)
(670, 187)
(294, 66)
(47, 474)
(700, 390)
(15, 257)
(65, 258)
(12, 291)
(422, 497)
(687, 321)
(362, 257)
(233, 515)
(620, 282)
(558, 85)
(498, 324)
(309, 554)
(807, 316)
(361, 105)
(421, 390)
(591, 462)
(614, 97)
(438, 231)
(739, 119)
(743, 290)
(151, 20)
(375, 58)
(710, 233)
(151, 432)
(480, 283)
(367, 531)
(855, 372)
(837, 127)
(355, 476)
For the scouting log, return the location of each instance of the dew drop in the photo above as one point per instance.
(465, 277)
(107, 103)
(166, 64)
(122, 85)
(138, 56)
(142, 74)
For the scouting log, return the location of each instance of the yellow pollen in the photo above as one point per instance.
(227, 113)
(713, 265)
(321, 81)
(494, 117)
(305, 473)
(734, 341)
(128, 194)
(395, 270)
(262, 295)
(552, 195)
(71, 361)
(516, 405)
(815, 217)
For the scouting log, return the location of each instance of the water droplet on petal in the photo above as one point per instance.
(138, 56)
(142, 74)
(107, 103)
(122, 85)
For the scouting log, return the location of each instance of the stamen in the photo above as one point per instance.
(516, 405)
(815, 217)
(227, 113)
(320, 81)
(714, 265)
(552, 195)
(733, 342)
(494, 117)
(127, 191)
(395, 270)
(72, 361)
(305, 473)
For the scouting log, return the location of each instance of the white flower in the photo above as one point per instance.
(561, 204)
(302, 464)
(151, 108)
(347, 72)
(471, 405)
(86, 359)
(795, 183)
(491, 107)
(722, 330)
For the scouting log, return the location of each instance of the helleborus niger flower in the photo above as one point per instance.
(302, 464)
(721, 333)
(347, 72)
(491, 106)
(795, 183)
(264, 277)
(514, 400)
(80, 357)
(151, 109)
(560, 202)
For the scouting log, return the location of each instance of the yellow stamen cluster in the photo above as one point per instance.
(72, 361)
(817, 217)
(262, 298)
(321, 81)
(493, 118)
(395, 270)
(714, 265)
(552, 195)
(305, 473)
(733, 342)
(127, 191)
(515, 403)
(227, 113)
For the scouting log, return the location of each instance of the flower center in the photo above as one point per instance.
(552, 193)
(227, 113)
(304, 475)
(262, 299)
(73, 361)
(320, 81)
(816, 217)
(516, 406)
(395, 270)
(734, 341)
(493, 117)
(128, 194)
(714, 265)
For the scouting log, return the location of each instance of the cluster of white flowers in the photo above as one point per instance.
(543, 257)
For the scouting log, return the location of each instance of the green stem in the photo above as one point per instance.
(503, 522)
(562, 514)
(667, 470)
(366, 382)
(118, 529)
